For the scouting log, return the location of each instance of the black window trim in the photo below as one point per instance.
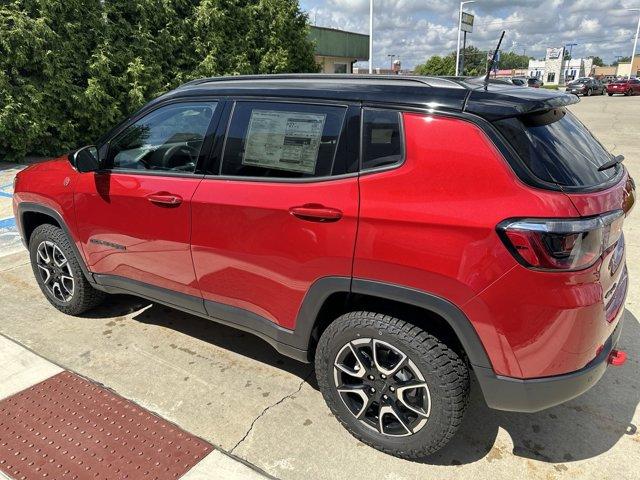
(398, 164)
(207, 144)
(307, 101)
(511, 157)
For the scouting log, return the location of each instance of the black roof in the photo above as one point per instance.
(498, 100)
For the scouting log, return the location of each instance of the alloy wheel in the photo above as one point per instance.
(382, 387)
(55, 271)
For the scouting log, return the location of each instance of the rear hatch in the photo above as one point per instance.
(563, 154)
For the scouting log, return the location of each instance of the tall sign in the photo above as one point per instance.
(467, 22)
(555, 53)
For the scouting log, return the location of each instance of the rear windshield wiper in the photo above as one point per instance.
(611, 163)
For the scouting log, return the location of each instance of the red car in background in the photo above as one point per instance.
(626, 87)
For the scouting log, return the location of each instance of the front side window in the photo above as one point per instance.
(382, 141)
(167, 139)
(282, 140)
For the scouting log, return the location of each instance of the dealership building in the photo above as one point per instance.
(556, 70)
(337, 50)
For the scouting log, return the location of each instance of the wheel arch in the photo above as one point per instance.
(32, 215)
(330, 297)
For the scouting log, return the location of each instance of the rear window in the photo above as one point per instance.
(381, 138)
(557, 148)
(282, 140)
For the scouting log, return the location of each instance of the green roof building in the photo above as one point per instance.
(336, 50)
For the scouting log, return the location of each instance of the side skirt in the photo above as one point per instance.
(234, 317)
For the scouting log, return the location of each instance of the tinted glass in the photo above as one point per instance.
(282, 140)
(382, 142)
(167, 139)
(558, 148)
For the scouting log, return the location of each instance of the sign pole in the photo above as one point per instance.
(370, 37)
(635, 44)
(464, 48)
(458, 44)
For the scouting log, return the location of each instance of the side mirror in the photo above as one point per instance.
(86, 159)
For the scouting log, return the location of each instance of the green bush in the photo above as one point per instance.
(550, 87)
(70, 69)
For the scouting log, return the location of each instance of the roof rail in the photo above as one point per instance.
(426, 81)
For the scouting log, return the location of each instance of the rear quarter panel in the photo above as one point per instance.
(430, 224)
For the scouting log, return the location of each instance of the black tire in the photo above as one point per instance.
(444, 372)
(589, 92)
(83, 296)
(610, 94)
(628, 93)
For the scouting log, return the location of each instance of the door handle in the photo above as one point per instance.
(313, 212)
(165, 199)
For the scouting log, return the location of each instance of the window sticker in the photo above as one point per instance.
(284, 140)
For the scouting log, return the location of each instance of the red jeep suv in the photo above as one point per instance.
(399, 232)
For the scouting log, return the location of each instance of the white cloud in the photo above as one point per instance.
(417, 29)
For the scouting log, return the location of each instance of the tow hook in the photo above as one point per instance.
(617, 358)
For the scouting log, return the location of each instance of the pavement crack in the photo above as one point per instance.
(14, 267)
(269, 407)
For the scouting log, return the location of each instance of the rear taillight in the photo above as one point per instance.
(561, 244)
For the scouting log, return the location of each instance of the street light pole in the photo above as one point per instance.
(462, 4)
(635, 43)
(370, 36)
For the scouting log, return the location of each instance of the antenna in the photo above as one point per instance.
(493, 61)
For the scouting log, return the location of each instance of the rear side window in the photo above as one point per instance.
(557, 148)
(282, 140)
(382, 141)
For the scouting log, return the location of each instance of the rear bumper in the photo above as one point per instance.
(533, 395)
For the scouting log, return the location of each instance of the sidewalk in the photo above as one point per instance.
(57, 424)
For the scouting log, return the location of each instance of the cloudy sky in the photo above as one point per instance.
(417, 29)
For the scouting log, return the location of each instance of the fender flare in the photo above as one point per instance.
(25, 207)
(324, 287)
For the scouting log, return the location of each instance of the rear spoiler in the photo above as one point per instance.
(504, 101)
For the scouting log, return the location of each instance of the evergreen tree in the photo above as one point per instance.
(71, 69)
(44, 53)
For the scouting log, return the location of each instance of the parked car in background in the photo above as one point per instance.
(321, 213)
(519, 81)
(625, 87)
(586, 86)
(535, 82)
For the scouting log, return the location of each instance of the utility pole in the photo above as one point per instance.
(370, 36)
(635, 43)
(570, 45)
(462, 4)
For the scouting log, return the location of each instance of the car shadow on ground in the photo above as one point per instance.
(209, 331)
(580, 429)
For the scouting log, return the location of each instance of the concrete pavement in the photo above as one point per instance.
(233, 390)
(54, 423)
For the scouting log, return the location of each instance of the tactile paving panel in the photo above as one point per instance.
(69, 428)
